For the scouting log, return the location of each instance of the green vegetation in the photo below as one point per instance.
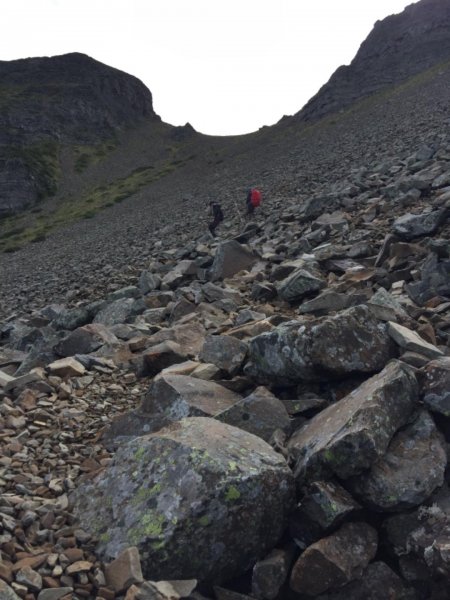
(86, 156)
(14, 233)
(42, 160)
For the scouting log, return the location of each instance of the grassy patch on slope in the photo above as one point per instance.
(14, 233)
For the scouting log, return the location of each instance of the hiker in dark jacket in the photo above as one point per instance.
(217, 215)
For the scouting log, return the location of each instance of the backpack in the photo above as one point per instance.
(218, 214)
(255, 198)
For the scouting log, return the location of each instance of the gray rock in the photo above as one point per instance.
(199, 499)
(302, 282)
(327, 504)
(149, 282)
(410, 340)
(435, 281)
(161, 356)
(178, 396)
(411, 226)
(436, 386)
(119, 311)
(412, 468)
(350, 435)
(330, 301)
(226, 352)
(6, 592)
(84, 340)
(352, 341)
(269, 575)
(336, 560)
(230, 258)
(260, 413)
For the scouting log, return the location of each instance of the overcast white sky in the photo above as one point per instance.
(225, 66)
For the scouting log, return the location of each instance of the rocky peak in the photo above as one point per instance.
(65, 91)
(398, 47)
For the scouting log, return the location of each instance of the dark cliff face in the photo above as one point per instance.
(70, 96)
(46, 102)
(397, 48)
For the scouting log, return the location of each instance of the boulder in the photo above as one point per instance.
(178, 396)
(199, 499)
(226, 352)
(351, 342)
(260, 413)
(434, 281)
(84, 340)
(149, 282)
(436, 385)
(411, 226)
(6, 592)
(119, 311)
(333, 561)
(230, 258)
(327, 504)
(161, 356)
(66, 367)
(269, 574)
(302, 282)
(412, 468)
(350, 435)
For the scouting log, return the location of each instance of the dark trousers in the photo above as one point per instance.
(212, 226)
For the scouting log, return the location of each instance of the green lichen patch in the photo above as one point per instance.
(232, 494)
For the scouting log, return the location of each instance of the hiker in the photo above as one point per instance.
(217, 215)
(253, 200)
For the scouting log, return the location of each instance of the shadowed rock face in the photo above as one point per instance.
(398, 47)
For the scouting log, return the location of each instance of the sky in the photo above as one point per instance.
(225, 66)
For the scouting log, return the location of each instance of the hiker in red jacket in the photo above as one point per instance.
(253, 200)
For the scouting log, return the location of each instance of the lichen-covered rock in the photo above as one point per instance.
(353, 341)
(350, 435)
(327, 504)
(302, 282)
(199, 499)
(412, 468)
(413, 226)
(179, 396)
(119, 311)
(335, 560)
(436, 385)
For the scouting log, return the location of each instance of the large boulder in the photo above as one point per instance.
(350, 435)
(179, 396)
(200, 499)
(412, 468)
(351, 342)
(411, 226)
(230, 258)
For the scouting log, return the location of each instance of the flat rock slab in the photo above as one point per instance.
(436, 385)
(66, 367)
(179, 396)
(335, 560)
(353, 341)
(350, 435)
(412, 468)
(199, 499)
(410, 340)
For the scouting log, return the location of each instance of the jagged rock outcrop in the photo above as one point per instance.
(398, 47)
